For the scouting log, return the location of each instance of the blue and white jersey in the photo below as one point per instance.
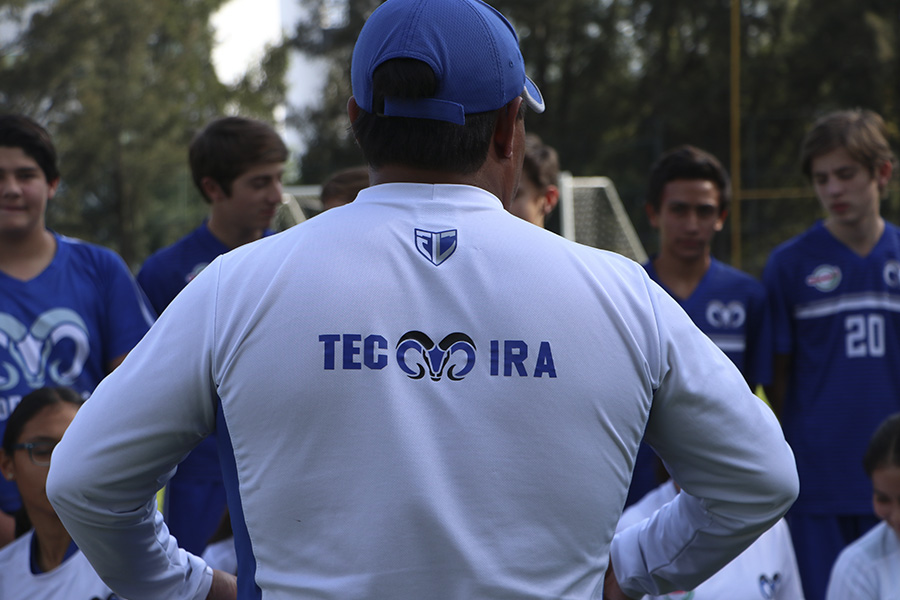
(838, 315)
(867, 568)
(167, 271)
(729, 306)
(195, 497)
(73, 579)
(64, 326)
(420, 395)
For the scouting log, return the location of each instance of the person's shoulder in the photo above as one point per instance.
(814, 236)
(177, 248)
(874, 545)
(16, 548)
(726, 271)
(89, 254)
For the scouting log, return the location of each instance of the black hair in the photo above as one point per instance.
(28, 407)
(228, 147)
(419, 143)
(31, 405)
(688, 162)
(884, 446)
(19, 131)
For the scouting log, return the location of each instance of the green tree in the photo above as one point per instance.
(123, 86)
(626, 79)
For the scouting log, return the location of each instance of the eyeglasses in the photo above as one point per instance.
(38, 452)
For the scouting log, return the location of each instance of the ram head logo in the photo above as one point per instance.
(433, 358)
(32, 349)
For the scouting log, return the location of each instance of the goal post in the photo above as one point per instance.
(592, 213)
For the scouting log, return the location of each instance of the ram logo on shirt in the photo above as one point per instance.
(30, 349)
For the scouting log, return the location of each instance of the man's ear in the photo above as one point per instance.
(352, 109)
(212, 190)
(51, 188)
(720, 222)
(505, 128)
(6, 466)
(551, 195)
(883, 174)
(652, 215)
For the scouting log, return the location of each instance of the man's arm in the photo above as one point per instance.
(725, 448)
(124, 445)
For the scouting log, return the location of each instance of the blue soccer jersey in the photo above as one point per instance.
(167, 271)
(195, 496)
(838, 315)
(730, 307)
(64, 326)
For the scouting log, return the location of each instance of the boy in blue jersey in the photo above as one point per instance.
(236, 164)
(834, 293)
(687, 202)
(69, 311)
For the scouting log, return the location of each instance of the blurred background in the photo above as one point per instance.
(123, 86)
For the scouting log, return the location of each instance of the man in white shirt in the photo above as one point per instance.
(394, 422)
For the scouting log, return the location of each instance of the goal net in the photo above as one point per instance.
(591, 213)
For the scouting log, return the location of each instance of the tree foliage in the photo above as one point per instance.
(122, 87)
(626, 79)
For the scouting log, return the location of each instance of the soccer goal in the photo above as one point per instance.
(592, 213)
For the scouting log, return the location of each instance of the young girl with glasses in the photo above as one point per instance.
(42, 563)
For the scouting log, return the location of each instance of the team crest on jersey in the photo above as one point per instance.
(726, 316)
(891, 273)
(436, 246)
(195, 271)
(824, 278)
(769, 586)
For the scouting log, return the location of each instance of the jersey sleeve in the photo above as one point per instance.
(107, 469)
(724, 447)
(778, 304)
(129, 314)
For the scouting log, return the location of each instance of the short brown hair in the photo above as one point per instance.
(861, 132)
(541, 163)
(228, 147)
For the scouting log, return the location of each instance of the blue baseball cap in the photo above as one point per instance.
(472, 49)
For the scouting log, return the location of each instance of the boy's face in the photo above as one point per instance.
(688, 218)
(254, 199)
(24, 192)
(847, 190)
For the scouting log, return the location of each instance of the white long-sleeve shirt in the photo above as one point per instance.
(419, 395)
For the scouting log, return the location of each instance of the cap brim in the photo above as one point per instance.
(533, 96)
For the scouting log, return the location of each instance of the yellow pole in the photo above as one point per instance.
(736, 133)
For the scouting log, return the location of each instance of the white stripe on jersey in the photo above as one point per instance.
(729, 343)
(848, 302)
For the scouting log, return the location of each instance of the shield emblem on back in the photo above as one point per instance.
(436, 246)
